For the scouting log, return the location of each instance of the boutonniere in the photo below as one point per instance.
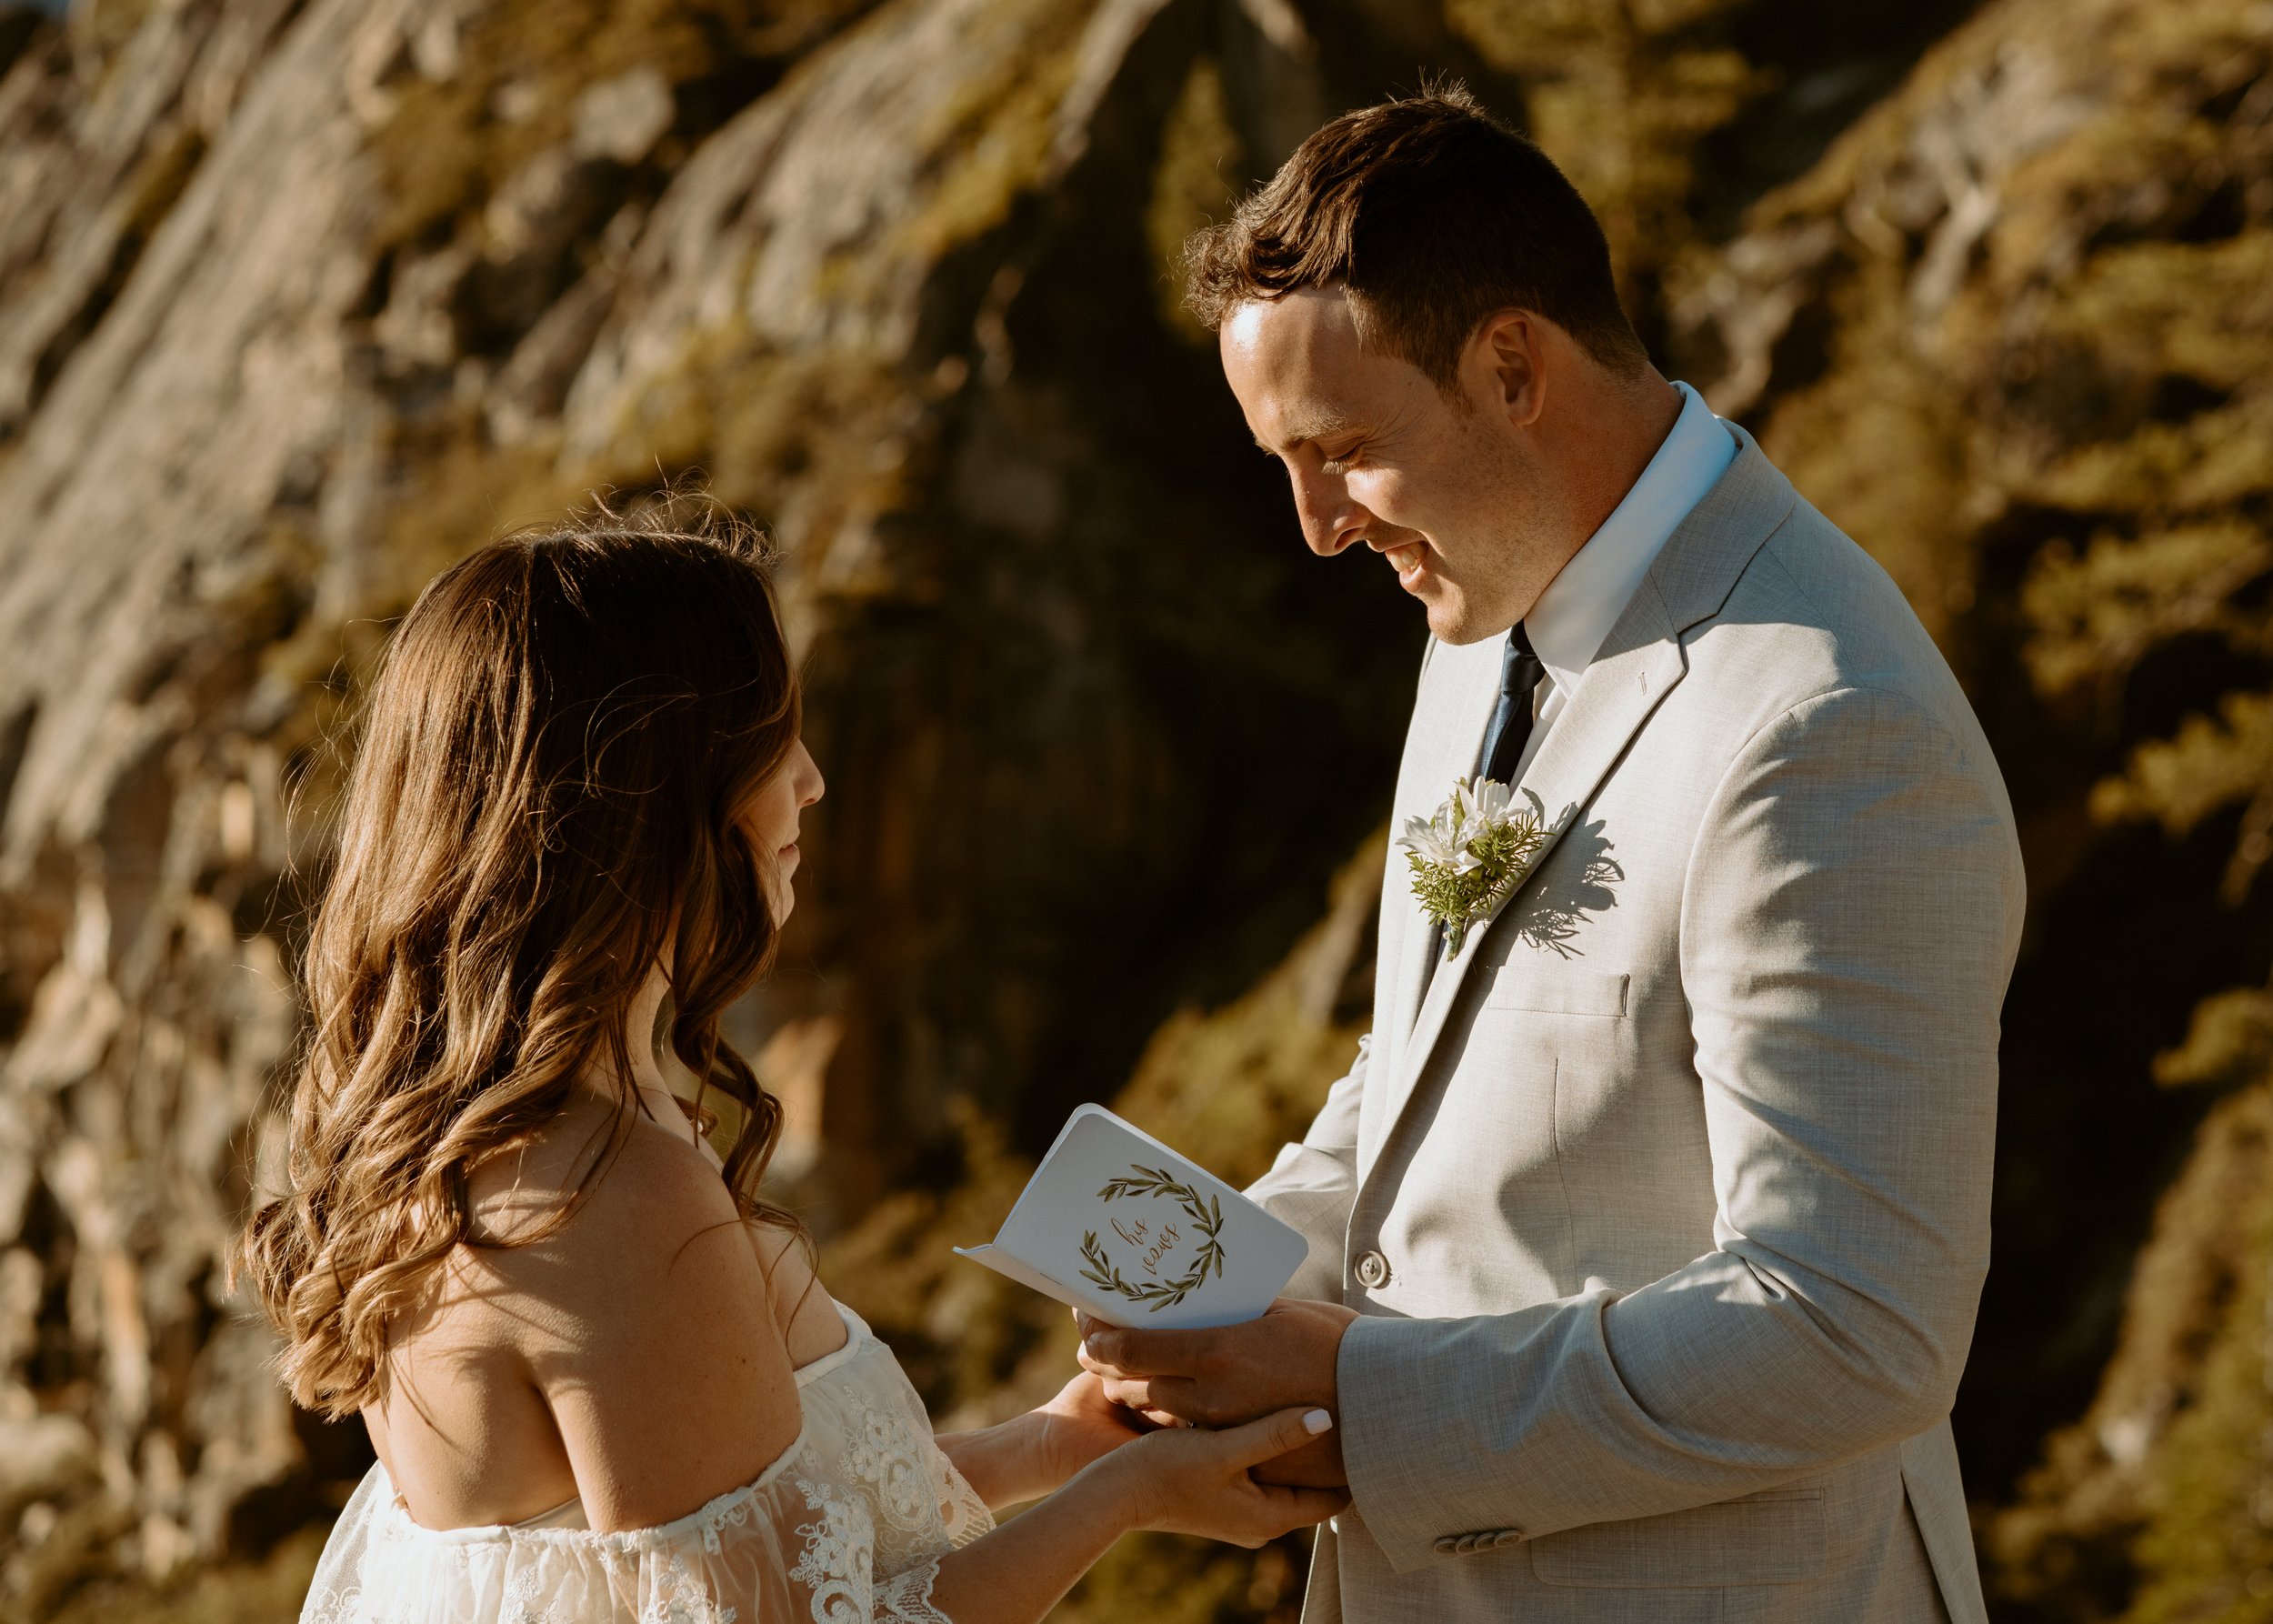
(1471, 855)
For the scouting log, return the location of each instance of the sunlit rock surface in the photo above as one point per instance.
(302, 303)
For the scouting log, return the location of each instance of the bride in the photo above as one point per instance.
(601, 1377)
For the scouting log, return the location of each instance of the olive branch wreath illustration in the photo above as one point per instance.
(1207, 1216)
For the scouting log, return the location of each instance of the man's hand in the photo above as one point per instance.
(1232, 1375)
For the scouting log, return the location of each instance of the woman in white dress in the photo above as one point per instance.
(600, 1376)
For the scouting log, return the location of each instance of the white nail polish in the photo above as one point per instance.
(1316, 1421)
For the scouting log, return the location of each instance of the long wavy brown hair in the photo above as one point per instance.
(544, 806)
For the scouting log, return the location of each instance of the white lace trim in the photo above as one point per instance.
(906, 1597)
(837, 1566)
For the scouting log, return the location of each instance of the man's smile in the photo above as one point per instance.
(1408, 558)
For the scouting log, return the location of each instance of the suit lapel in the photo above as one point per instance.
(1457, 700)
(1640, 662)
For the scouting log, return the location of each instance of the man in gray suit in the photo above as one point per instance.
(1649, 1228)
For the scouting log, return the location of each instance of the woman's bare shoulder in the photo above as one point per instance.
(639, 1328)
(801, 1304)
(597, 1206)
(650, 1334)
(646, 1203)
(524, 1189)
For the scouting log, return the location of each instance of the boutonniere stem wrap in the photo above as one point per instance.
(1471, 855)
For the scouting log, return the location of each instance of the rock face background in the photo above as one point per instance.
(300, 300)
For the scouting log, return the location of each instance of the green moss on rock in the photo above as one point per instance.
(2157, 1505)
(1195, 182)
(474, 101)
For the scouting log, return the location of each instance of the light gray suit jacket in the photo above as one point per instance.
(1666, 1201)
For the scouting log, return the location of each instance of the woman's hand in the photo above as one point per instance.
(1082, 1425)
(1190, 1480)
(1180, 1479)
(1033, 1454)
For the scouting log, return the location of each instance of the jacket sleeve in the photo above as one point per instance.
(1314, 1183)
(1851, 913)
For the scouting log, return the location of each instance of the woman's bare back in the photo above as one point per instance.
(465, 1425)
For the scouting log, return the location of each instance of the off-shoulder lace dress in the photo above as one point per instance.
(846, 1527)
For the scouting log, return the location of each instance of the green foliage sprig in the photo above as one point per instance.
(1469, 857)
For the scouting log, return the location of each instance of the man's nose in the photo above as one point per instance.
(1330, 520)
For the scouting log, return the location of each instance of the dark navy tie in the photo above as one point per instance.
(1519, 674)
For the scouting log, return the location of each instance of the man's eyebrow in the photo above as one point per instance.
(1307, 429)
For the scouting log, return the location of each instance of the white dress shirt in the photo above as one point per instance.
(1582, 603)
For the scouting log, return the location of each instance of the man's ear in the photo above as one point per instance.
(1507, 358)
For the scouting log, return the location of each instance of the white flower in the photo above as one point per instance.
(1485, 802)
(1441, 840)
(1455, 887)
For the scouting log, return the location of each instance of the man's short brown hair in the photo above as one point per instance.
(1430, 214)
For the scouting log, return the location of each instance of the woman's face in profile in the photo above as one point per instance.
(771, 817)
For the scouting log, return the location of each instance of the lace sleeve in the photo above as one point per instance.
(789, 1549)
(833, 1576)
(963, 1515)
(907, 1599)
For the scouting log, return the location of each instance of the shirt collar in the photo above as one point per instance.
(1584, 601)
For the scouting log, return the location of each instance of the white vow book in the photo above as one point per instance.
(1119, 1226)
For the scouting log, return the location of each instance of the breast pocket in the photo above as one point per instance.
(1557, 989)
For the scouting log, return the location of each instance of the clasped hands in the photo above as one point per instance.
(1232, 1375)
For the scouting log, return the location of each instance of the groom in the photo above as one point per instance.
(1647, 1230)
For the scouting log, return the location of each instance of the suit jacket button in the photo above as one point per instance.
(1506, 1536)
(1448, 1545)
(1373, 1271)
